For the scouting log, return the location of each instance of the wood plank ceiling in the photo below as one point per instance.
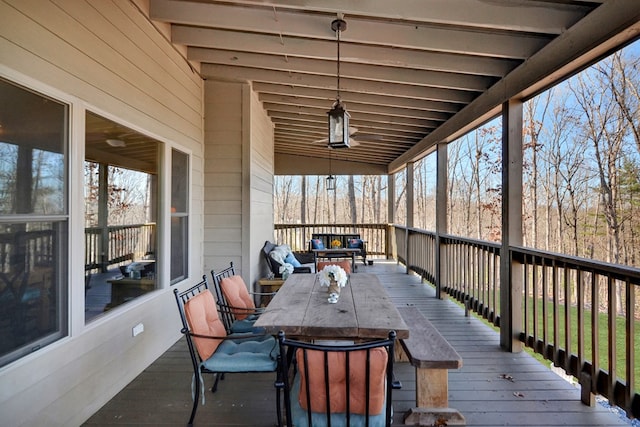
(413, 72)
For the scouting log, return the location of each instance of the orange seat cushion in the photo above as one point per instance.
(203, 319)
(236, 294)
(346, 265)
(337, 381)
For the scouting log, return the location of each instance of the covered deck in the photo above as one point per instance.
(493, 388)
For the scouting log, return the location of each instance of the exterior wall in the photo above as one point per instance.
(261, 203)
(238, 179)
(107, 57)
(223, 188)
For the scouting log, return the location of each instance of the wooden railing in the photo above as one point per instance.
(117, 244)
(582, 315)
(297, 236)
(25, 249)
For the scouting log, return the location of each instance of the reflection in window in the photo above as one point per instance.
(179, 215)
(33, 221)
(120, 187)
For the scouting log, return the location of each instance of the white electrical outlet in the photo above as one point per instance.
(138, 329)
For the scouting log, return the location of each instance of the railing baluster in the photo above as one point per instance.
(567, 319)
(580, 320)
(556, 298)
(534, 303)
(595, 342)
(611, 336)
(630, 300)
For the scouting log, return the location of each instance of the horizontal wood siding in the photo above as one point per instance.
(105, 56)
(261, 186)
(223, 175)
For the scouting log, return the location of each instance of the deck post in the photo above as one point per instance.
(103, 213)
(511, 280)
(441, 218)
(409, 204)
(391, 252)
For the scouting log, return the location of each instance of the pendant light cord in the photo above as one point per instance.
(338, 88)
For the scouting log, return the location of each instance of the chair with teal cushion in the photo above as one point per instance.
(337, 385)
(240, 315)
(212, 350)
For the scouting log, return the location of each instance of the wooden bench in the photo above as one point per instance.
(432, 356)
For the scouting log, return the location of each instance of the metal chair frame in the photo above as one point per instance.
(181, 299)
(289, 366)
(228, 312)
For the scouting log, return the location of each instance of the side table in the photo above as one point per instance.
(268, 285)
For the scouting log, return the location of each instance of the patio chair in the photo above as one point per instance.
(235, 303)
(212, 350)
(359, 378)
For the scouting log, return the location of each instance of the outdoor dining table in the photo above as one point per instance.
(364, 310)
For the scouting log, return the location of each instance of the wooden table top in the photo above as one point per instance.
(364, 310)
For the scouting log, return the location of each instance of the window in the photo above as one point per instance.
(179, 215)
(121, 194)
(33, 221)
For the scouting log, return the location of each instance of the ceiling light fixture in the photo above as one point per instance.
(116, 142)
(331, 180)
(338, 115)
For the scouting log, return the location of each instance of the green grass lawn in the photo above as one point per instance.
(603, 337)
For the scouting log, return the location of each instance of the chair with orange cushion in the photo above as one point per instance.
(212, 350)
(360, 378)
(235, 303)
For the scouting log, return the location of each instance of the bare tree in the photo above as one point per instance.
(534, 116)
(353, 213)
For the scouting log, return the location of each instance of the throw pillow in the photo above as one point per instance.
(317, 244)
(355, 243)
(278, 254)
(291, 259)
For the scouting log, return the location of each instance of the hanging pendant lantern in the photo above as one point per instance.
(331, 183)
(338, 126)
(338, 115)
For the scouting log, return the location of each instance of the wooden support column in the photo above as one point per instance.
(103, 214)
(391, 216)
(441, 217)
(409, 203)
(511, 280)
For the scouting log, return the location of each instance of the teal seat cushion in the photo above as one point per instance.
(300, 419)
(246, 325)
(244, 355)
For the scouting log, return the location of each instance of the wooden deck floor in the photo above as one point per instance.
(161, 396)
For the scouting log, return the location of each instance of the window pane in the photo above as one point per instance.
(121, 193)
(179, 251)
(33, 135)
(33, 253)
(179, 215)
(179, 181)
(33, 294)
